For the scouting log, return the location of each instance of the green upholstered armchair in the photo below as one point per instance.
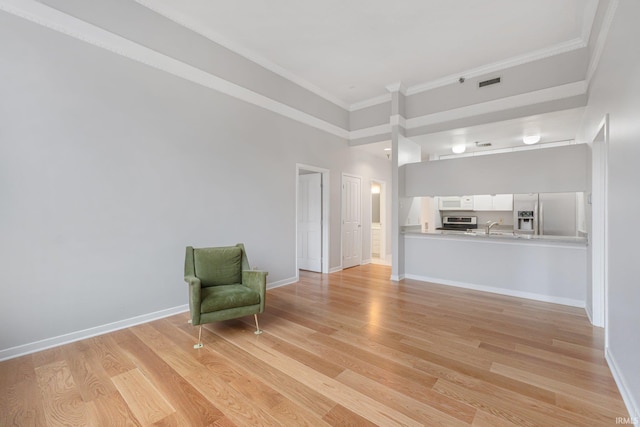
(222, 286)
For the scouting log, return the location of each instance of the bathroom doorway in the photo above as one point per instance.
(378, 222)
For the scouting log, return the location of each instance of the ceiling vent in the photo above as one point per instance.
(489, 82)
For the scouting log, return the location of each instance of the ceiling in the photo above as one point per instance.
(349, 51)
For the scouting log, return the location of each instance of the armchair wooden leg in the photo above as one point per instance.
(199, 345)
(258, 331)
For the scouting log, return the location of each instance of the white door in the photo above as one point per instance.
(351, 221)
(310, 222)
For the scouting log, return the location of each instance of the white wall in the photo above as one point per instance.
(109, 168)
(615, 90)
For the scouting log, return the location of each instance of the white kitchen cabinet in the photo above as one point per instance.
(493, 202)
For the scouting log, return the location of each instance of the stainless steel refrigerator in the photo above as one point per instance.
(551, 214)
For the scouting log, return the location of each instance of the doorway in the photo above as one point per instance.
(312, 223)
(351, 220)
(599, 228)
(378, 223)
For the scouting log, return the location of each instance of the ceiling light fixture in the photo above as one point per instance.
(459, 148)
(531, 139)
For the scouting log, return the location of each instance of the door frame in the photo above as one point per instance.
(383, 218)
(600, 228)
(325, 215)
(342, 216)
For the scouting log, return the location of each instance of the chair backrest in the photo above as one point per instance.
(218, 266)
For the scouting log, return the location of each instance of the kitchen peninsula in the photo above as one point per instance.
(552, 268)
(544, 268)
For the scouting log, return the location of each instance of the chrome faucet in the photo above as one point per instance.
(490, 225)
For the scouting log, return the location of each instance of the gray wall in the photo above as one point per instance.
(615, 90)
(109, 168)
(547, 170)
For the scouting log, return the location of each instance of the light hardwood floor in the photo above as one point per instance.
(350, 348)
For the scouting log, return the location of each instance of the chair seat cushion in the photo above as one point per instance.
(222, 297)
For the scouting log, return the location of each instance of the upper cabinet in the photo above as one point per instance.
(496, 202)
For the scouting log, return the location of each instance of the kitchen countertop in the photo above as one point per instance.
(496, 235)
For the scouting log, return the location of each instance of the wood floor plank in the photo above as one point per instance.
(21, 405)
(61, 398)
(349, 348)
(145, 401)
(605, 400)
(192, 407)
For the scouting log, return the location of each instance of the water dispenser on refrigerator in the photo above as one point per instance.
(525, 222)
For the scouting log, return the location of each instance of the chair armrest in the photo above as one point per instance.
(194, 298)
(256, 280)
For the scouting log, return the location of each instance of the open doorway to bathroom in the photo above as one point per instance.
(378, 223)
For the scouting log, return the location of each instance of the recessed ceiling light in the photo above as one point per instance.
(531, 139)
(387, 149)
(459, 148)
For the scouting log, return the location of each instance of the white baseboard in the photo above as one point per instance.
(512, 293)
(44, 344)
(283, 282)
(366, 261)
(335, 269)
(588, 311)
(397, 278)
(629, 401)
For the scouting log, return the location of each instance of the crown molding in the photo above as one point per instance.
(53, 19)
(568, 46)
(590, 11)
(370, 102)
(397, 87)
(246, 53)
(602, 38)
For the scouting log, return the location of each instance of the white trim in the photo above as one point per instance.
(602, 38)
(46, 343)
(590, 11)
(515, 101)
(366, 261)
(560, 48)
(370, 131)
(397, 278)
(397, 87)
(398, 120)
(632, 406)
(246, 53)
(51, 18)
(519, 294)
(500, 104)
(335, 269)
(599, 226)
(283, 282)
(381, 99)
